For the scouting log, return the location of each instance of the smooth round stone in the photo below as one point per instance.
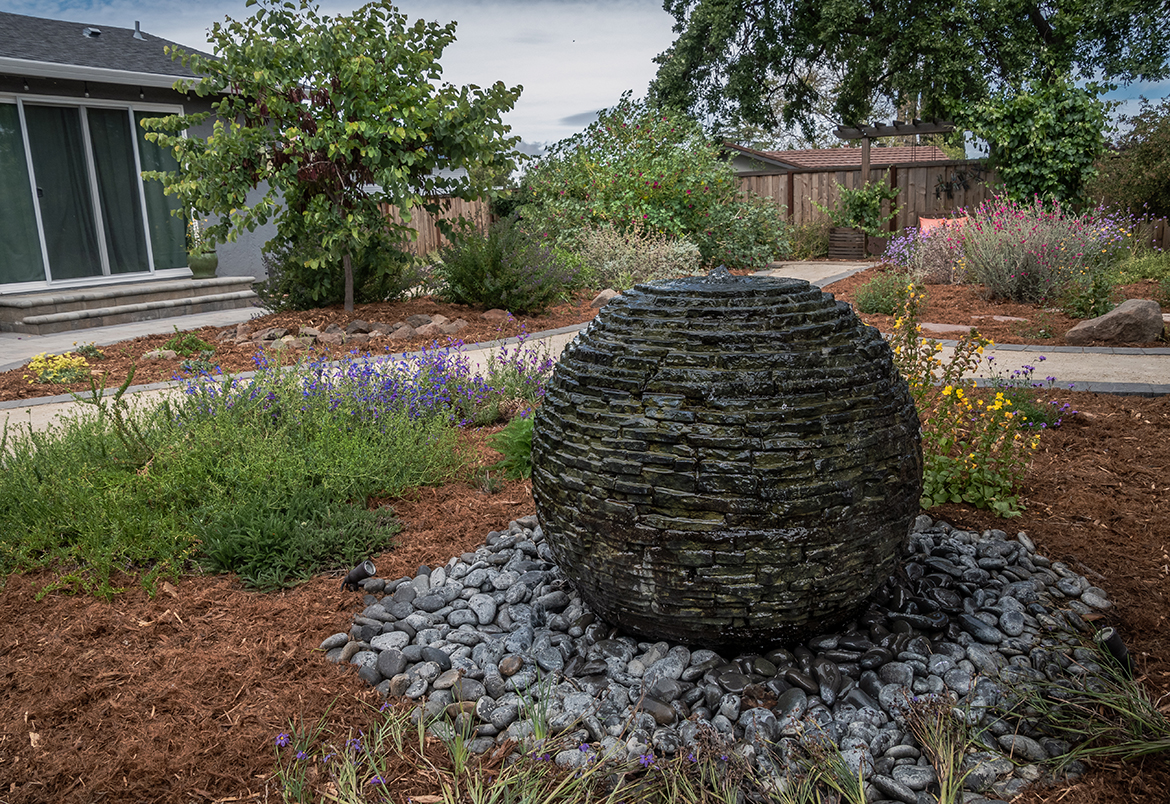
(484, 607)
(875, 657)
(979, 629)
(898, 673)
(504, 580)
(394, 640)
(511, 665)
(792, 704)
(417, 689)
(916, 777)
(430, 603)
(733, 682)
(439, 657)
(662, 713)
(1096, 601)
(521, 681)
(1012, 623)
(1019, 746)
(446, 680)
(391, 662)
(550, 660)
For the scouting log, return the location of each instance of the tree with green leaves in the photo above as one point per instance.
(1043, 139)
(733, 59)
(1134, 175)
(641, 169)
(337, 119)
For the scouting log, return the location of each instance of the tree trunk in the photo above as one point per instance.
(347, 263)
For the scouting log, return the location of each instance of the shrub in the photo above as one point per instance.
(810, 240)
(884, 294)
(1031, 254)
(611, 259)
(932, 258)
(973, 449)
(862, 207)
(505, 268)
(381, 273)
(1135, 175)
(188, 344)
(57, 369)
(277, 541)
(639, 168)
(515, 443)
(746, 233)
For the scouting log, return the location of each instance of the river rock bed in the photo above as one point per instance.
(498, 637)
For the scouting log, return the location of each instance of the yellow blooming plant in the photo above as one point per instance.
(975, 451)
(60, 369)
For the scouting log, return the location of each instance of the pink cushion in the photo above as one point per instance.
(926, 224)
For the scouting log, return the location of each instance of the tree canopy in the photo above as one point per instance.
(335, 118)
(749, 61)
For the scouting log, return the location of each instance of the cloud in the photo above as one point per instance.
(579, 120)
(567, 54)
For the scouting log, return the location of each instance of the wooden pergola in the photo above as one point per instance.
(898, 128)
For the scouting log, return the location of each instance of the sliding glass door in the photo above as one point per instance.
(63, 190)
(20, 242)
(97, 217)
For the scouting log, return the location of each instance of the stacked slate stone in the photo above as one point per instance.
(495, 635)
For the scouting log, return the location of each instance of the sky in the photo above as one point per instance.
(573, 57)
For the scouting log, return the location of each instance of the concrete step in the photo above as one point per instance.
(67, 310)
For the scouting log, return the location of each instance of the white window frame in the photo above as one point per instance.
(106, 278)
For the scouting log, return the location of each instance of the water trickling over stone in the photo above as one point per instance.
(726, 461)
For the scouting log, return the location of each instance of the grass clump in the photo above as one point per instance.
(885, 294)
(505, 268)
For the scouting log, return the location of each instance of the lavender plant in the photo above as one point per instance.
(934, 257)
(1035, 254)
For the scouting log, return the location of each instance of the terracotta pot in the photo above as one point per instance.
(203, 265)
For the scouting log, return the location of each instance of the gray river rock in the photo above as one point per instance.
(496, 635)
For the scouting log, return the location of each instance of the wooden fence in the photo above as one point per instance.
(429, 236)
(1155, 232)
(928, 189)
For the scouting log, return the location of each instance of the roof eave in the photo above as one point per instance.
(29, 68)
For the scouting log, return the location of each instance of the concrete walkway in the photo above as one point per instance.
(1127, 371)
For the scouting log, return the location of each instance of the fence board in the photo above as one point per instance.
(429, 236)
(918, 182)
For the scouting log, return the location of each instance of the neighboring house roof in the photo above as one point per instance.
(843, 157)
(37, 47)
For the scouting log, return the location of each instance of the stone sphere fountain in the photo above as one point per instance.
(726, 461)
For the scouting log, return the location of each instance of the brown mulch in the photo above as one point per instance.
(233, 359)
(178, 698)
(968, 305)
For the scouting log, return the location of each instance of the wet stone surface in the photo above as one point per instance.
(726, 461)
(849, 686)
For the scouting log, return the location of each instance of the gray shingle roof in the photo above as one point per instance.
(58, 42)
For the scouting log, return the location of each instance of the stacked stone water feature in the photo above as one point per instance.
(711, 451)
(726, 461)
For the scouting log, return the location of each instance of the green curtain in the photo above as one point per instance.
(117, 179)
(20, 245)
(58, 156)
(168, 233)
